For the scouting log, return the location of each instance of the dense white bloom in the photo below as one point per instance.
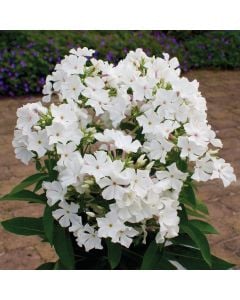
(20, 144)
(88, 237)
(117, 109)
(124, 236)
(113, 185)
(63, 114)
(141, 183)
(197, 133)
(54, 192)
(47, 91)
(38, 142)
(142, 88)
(29, 115)
(158, 148)
(114, 139)
(77, 226)
(190, 149)
(97, 164)
(168, 220)
(120, 140)
(171, 179)
(110, 225)
(224, 171)
(66, 152)
(203, 169)
(82, 52)
(72, 88)
(70, 175)
(150, 121)
(59, 133)
(66, 213)
(73, 64)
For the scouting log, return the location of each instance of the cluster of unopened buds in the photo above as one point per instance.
(123, 140)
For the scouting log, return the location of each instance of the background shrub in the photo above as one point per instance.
(26, 57)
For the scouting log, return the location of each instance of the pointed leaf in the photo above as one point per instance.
(24, 226)
(29, 181)
(151, 257)
(204, 227)
(48, 223)
(202, 207)
(192, 259)
(187, 196)
(25, 195)
(200, 241)
(63, 246)
(195, 213)
(183, 239)
(114, 253)
(46, 266)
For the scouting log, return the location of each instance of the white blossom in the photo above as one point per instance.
(20, 144)
(28, 115)
(116, 138)
(113, 185)
(171, 179)
(203, 169)
(63, 114)
(190, 149)
(66, 213)
(66, 152)
(96, 165)
(224, 171)
(120, 140)
(88, 237)
(38, 142)
(54, 192)
(158, 148)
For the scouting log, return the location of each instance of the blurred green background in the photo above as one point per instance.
(27, 57)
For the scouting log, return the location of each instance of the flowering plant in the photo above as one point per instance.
(118, 150)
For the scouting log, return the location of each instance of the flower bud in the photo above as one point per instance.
(89, 181)
(90, 214)
(36, 127)
(213, 152)
(150, 165)
(141, 161)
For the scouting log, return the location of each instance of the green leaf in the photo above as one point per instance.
(199, 239)
(50, 164)
(25, 195)
(46, 266)
(59, 266)
(24, 226)
(204, 227)
(63, 246)
(194, 213)
(183, 213)
(29, 181)
(151, 257)
(48, 223)
(192, 259)
(187, 196)
(220, 264)
(38, 186)
(183, 239)
(165, 264)
(114, 253)
(202, 207)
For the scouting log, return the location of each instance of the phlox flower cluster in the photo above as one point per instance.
(123, 140)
